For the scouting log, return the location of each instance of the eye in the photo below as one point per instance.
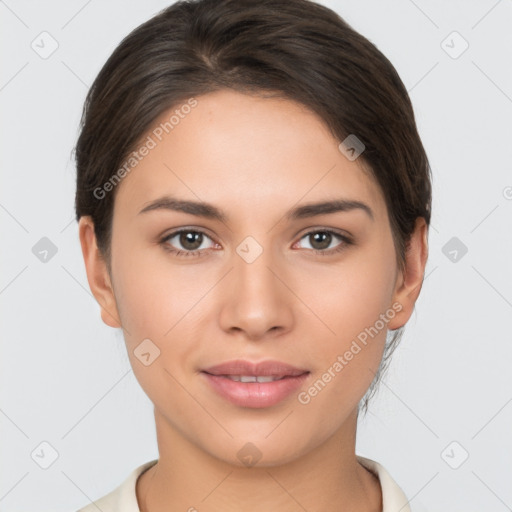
(321, 241)
(192, 242)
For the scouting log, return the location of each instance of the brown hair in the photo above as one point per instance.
(295, 49)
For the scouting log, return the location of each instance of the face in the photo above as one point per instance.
(316, 290)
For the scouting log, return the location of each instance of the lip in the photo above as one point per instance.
(261, 368)
(255, 394)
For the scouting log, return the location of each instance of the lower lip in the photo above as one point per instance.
(255, 394)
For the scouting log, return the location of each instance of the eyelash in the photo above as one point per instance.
(201, 252)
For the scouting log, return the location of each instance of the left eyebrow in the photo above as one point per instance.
(209, 211)
(326, 207)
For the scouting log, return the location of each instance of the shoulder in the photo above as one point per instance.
(123, 498)
(393, 498)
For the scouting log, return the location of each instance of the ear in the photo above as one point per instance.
(409, 282)
(97, 273)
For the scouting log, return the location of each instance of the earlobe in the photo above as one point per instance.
(410, 281)
(97, 273)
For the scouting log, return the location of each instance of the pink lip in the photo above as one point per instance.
(255, 394)
(263, 368)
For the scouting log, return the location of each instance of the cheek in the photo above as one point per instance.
(354, 304)
(346, 362)
(153, 293)
(161, 302)
(167, 303)
(351, 297)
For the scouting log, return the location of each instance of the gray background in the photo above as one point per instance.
(65, 376)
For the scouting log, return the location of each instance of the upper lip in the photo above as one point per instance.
(262, 368)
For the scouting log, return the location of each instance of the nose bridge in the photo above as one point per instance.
(252, 269)
(258, 300)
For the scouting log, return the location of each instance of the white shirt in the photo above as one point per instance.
(124, 498)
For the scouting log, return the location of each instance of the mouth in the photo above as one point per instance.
(254, 385)
(244, 368)
(253, 378)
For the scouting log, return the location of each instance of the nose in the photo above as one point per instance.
(257, 300)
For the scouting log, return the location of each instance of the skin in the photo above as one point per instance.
(254, 158)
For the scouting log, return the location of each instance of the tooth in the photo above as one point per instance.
(266, 378)
(247, 378)
(253, 378)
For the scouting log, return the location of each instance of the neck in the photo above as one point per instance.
(327, 477)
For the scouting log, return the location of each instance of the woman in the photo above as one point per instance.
(253, 202)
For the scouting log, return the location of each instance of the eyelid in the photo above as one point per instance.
(174, 231)
(315, 229)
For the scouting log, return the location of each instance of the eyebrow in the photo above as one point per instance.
(209, 211)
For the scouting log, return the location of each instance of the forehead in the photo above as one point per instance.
(247, 152)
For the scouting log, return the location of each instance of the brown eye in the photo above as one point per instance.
(190, 240)
(321, 241)
(186, 242)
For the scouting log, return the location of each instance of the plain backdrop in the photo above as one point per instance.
(441, 422)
